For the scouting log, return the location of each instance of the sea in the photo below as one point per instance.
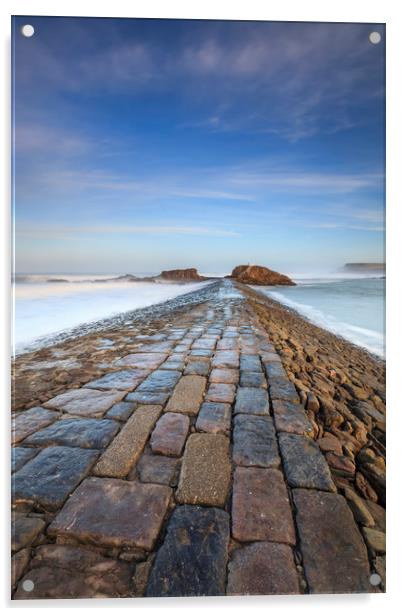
(349, 306)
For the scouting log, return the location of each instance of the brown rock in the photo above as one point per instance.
(19, 563)
(260, 506)
(328, 443)
(334, 554)
(187, 395)
(342, 464)
(375, 540)
(361, 513)
(182, 275)
(113, 512)
(25, 531)
(170, 434)
(205, 471)
(263, 568)
(259, 275)
(127, 446)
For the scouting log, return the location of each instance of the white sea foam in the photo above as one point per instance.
(43, 308)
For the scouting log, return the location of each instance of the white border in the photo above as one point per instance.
(307, 10)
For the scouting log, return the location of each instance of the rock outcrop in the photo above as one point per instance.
(259, 275)
(362, 268)
(181, 275)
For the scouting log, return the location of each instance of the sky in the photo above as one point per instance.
(141, 145)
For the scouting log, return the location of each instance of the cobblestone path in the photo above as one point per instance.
(188, 468)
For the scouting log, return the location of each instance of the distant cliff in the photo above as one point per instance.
(259, 275)
(181, 275)
(355, 268)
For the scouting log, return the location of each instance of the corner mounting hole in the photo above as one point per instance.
(28, 585)
(375, 579)
(375, 38)
(27, 30)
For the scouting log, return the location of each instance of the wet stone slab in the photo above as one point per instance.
(205, 471)
(143, 361)
(224, 375)
(250, 363)
(283, 389)
(126, 448)
(148, 397)
(254, 442)
(198, 366)
(290, 417)
(204, 343)
(263, 568)
(226, 359)
(72, 572)
(27, 422)
(304, 464)
(52, 475)
(24, 531)
(192, 559)
(214, 417)
(260, 506)
(85, 402)
(274, 370)
(334, 554)
(228, 344)
(160, 381)
(158, 469)
(251, 400)
(87, 433)
(221, 392)
(201, 353)
(253, 379)
(138, 511)
(121, 411)
(123, 379)
(188, 395)
(20, 456)
(170, 434)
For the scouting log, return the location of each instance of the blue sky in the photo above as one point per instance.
(148, 144)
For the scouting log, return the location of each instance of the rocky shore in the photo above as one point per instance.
(218, 445)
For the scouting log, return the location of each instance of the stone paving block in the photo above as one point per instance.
(290, 417)
(283, 389)
(188, 395)
(123, 379)
(126, 448)
(334, 554)
(169, 434)
(172, 365)
(87, 433)
(205, 471)
(253, 379)
(25, 423)
(159, 381)
(24, 531)
(250, 363)
(85, 402)
(52, 475)
(304, 464)
(252, 400)
(148, 397)
(228, 344)
(201, 353)
(221, 392)
(263, 568)
(197, 365)
(274, 370)
(204, 343)
(20, 456)
(254, 442)
(268, 357)
(163, 346)
(121, 411)
(144, 361)
(72, 572)
(226, 359)
(224, 375)
(158, 469)
(138, 511)
(260, 506)
(192, 559)
(214, 417)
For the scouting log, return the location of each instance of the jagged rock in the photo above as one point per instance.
(259, 275)
(181, 275)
